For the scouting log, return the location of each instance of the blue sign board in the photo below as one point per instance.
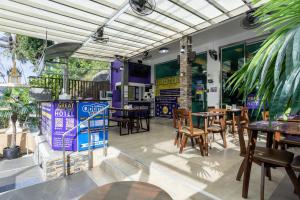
(97, 127)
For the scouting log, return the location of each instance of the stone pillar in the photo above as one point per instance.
(185, 99)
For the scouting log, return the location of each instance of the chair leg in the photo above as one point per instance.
(200, 143)
(224, 138)
(176, 138)
(183, 142)
(241, 170)
(294, 179)
(262, 183)
(268, 173)
(192, 141)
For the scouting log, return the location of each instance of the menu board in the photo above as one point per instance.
(64, 119)
(97, 126)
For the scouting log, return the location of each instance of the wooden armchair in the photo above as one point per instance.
(190, 132)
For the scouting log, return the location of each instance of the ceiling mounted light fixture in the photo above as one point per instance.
(163, 50)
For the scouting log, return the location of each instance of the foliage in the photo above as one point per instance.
(80, 68)
(16, 101)
(274, 72)
(16, 104)
(28, 48)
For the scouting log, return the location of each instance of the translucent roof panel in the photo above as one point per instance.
(230, 5)
(129, 34)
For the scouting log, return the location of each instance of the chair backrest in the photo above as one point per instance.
(265, 115)
(245, 114)
(222, 119)
(178, 112)
(218, 110)
(185, 119)
(209, 108)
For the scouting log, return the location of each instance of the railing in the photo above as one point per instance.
(89, 138)
(76, 88)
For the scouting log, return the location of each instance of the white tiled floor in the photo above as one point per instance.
(192, 176)
(152, 157)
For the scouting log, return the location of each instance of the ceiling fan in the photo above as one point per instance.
(99, 36)
(142, 7)
(250, 21)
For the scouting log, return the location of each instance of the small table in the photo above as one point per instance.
(286, 128)
(233, 113)
(135, 114)
(127, 190)
(205, 115)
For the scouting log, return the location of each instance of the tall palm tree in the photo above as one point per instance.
(274, 72)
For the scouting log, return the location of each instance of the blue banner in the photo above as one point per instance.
(97, 127)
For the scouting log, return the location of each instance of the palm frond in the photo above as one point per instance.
(274, 73)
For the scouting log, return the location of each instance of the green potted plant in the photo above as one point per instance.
(15, 104)
(274, 72)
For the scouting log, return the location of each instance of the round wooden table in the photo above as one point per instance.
(127, 190)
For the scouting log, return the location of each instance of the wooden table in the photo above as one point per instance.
(127, 190)
(286, 128)
(233, 113)
(206, 116)
(131, 113)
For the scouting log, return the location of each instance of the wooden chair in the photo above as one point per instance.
(244, 119)
(243, 151)
(177, 114)
(190, 132)
(217, 125)
(275, 158)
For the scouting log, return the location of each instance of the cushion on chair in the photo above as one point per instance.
(272, 156)
(296, 164)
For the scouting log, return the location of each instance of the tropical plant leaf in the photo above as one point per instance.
(273, 73)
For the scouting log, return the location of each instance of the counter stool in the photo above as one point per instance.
(275, 158)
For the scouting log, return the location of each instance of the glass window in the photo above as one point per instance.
(233, 58)
(199, 76)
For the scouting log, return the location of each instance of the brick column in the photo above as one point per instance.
(185, 99)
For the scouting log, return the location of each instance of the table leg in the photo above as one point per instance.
(205, 134)
(248, 164)
(233, 124)
(269, 139)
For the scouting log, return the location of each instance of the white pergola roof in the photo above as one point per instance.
(129, 34)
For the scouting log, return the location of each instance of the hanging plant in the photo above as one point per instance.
(274, 71)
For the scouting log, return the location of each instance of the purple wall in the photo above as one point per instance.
(116, 76)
